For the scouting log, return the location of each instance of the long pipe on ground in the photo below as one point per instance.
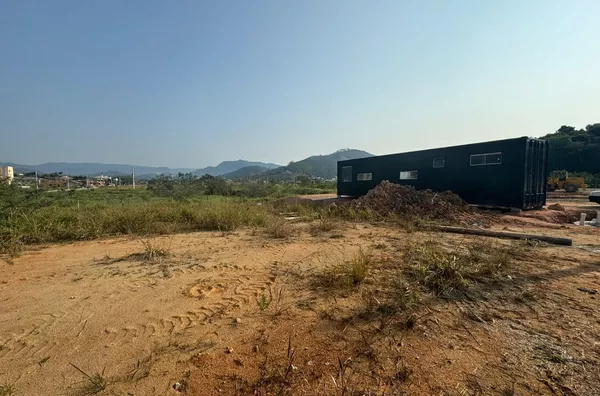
(500, 234)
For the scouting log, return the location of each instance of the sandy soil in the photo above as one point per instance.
(191, 320)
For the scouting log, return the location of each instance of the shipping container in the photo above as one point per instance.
(508, 173)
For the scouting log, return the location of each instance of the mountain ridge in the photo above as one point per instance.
(322, 166)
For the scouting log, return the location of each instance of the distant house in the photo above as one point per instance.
(7, 173)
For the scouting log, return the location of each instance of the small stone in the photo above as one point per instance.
(255, 349)
(238, 320)
(239, 362)
(310, 363)
(229, 350)
(177, 386)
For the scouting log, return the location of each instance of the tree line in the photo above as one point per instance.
(575, 150)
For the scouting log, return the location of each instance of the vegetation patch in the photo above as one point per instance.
(346, 274)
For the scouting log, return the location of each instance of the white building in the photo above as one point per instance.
(7, 172)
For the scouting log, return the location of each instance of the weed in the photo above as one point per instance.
(447, 269)
(345, 274)
(324, 224)
(336, 236)
(359, 266)
(436, 268)
(94, 383)
(153, 252)
(278, 227)
(264, 301)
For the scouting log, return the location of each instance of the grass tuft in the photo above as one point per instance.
(346, 274)
(324, 224)
(278, 227)
(93, 384)
(153, 251)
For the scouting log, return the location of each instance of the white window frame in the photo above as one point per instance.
(484, 155)
(364, 176)
(351, 175)
(438, 158)
(409, 175)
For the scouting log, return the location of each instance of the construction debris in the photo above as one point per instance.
(405, 201)
(501, 234)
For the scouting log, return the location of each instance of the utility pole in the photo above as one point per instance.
(37, 184)
(133, 177)
(68, 185)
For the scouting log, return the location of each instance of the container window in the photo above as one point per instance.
(439, 162)
(364, 176)
(493, 159)
(409, 175)
(347, 174)
(486, 159)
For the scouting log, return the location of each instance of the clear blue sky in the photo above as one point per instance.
(192, 83)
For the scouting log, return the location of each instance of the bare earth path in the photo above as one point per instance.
(191, 320)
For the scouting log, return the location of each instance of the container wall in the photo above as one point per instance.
(493, 173)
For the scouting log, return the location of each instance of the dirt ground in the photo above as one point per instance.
(239, 313)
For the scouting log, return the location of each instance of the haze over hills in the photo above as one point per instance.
(324, 166)
(93, 169)
(232, 166)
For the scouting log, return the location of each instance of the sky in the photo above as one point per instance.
(193, 83)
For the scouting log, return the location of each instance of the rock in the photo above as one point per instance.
(229, 350)
(177, 386)
(255, 349)
(238, 320)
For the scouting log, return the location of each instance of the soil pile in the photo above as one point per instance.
(568, 216)
(405, 201)
(558, 207)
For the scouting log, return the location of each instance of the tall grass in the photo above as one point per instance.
(56, 223)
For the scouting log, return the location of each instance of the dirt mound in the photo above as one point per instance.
(405, 201)
(557, 207)
(560, 217)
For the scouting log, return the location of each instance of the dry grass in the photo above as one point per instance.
(278, 227)
(92, 384)
(345, 274)
(323, 225)
(446, 269)
(154, 251)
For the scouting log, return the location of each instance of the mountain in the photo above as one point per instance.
(323, 166)
(232, 166)
(91, 169)
(246, 172)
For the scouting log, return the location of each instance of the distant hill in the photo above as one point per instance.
(85, 168)
(92, 169)
(245, 172)
(232, 166)
(324, 166)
